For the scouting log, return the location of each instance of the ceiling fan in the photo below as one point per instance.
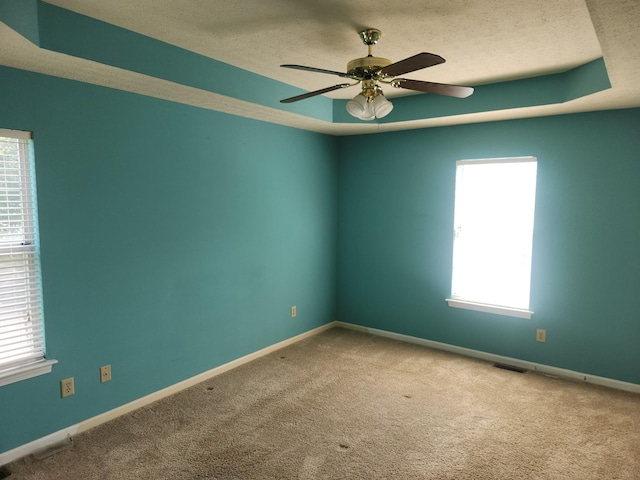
(370, 71)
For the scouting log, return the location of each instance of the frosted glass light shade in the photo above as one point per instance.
(381, 106)
(360, 108)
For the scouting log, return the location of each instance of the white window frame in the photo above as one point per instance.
(21, 318)
(460, 302)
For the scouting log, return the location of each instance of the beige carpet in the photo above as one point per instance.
(346, 405)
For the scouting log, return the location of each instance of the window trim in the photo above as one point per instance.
(487, 308)
(23, 372)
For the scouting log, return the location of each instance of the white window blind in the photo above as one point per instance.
(493, 235)
(22, 345)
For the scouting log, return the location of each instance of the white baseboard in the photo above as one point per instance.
(490, 357)
(36, 445)
(61, 435)
(56, 437)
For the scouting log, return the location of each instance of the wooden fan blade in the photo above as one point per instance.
(411, 64)
(318, 70)
(315, 92)
(430, 87)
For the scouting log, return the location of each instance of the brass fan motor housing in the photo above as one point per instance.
(365, 67)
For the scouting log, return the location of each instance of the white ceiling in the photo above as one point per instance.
(483, 41)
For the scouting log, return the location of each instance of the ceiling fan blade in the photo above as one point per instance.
(430, 87)
(318, 70)
(315, 92)
(411, 64)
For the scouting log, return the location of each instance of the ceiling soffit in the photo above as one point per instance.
(62, 31)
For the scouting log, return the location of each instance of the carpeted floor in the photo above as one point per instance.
(347, 405)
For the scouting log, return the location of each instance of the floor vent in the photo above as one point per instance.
(511, 368)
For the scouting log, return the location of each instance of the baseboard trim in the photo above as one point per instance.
(490, 357)
(37, 445)
(61, 435)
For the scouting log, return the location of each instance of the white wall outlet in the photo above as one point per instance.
(541, 335)
(105, 373)
(293, 312)
(67, 388)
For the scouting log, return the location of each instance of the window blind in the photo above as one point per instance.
(21, 318)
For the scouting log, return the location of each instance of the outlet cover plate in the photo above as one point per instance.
(67, 388)
(105, 373)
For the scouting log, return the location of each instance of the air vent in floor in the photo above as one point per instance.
(511, 368)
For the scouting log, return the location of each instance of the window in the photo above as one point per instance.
(493, 235)
(21, 321)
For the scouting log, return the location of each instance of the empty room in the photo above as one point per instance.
(298, 239)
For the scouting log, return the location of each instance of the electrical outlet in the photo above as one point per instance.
(293, 312)
(105, 373)
(67, 388)
(541, 335)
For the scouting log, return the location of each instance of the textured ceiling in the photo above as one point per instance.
(483, 41)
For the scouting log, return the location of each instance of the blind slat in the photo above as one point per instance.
(19, 341)
(20, 346)
(20, 329)
(16, 317)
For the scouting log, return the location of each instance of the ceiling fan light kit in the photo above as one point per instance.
(359, 107)
(369, 71)
(369, 104)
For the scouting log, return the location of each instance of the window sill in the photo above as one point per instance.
(23, 372)
(484, 307)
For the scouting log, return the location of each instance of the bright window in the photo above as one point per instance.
(493, 235)
(21, 321)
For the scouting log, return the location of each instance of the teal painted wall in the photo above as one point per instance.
(396, 194)
(173, 239)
